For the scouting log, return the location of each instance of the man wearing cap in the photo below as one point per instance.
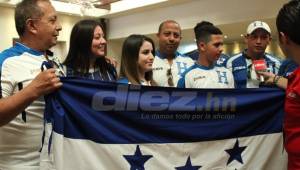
(257, 39)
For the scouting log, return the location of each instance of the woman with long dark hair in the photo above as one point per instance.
(137, 59)
(86, 56)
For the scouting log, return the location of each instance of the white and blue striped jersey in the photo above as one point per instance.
(198, 76)
(20, 139)
(244, 72)
(161, 66)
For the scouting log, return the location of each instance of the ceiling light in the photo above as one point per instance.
(83, 7)
(13, 1)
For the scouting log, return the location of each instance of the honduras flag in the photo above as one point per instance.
(109, 126)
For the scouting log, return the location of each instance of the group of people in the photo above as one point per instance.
(23, 84)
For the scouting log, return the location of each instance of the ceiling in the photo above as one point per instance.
(102, 4)
(117, 8)
(103, 8)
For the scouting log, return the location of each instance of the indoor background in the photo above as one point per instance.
(125, 17)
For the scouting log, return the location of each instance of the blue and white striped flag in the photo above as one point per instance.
(109, 126)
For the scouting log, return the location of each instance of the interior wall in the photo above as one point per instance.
(218, 11)
(114, 49)
(146, 22)
(229, 15)
(7, 29)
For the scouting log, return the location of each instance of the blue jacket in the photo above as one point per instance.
(241, 66)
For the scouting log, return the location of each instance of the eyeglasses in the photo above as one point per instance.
(170, 78)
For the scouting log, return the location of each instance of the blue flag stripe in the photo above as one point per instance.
(132, 114)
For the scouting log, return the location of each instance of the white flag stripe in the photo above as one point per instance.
(262, 152)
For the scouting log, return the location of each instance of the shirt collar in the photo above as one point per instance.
(205, 67)
(21, 47)
(247, 57)
(162, 56)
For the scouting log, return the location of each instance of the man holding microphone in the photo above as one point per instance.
(246, 65)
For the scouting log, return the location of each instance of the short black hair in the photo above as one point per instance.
(167, 21)
(288, 20)
(204, 30)
(24, 10)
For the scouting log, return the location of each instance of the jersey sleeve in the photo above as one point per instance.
(7, 79)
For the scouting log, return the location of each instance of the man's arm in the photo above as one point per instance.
(44, 83)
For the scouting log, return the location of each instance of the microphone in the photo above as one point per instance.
(260, 66)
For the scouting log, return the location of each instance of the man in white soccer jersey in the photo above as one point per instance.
(205, 73)
(23, 85)
(257, 39)
(168, 62)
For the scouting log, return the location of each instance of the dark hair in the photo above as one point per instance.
(288, 20)
(25, 10)
(130, 56)
(167, 21)
(80, 53)
(204, 30)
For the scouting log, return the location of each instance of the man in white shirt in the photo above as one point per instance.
(168, 63)
(205, 73)
(23, 85)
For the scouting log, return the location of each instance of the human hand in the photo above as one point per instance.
(44, 83)
(112, 61)
(268, 76)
